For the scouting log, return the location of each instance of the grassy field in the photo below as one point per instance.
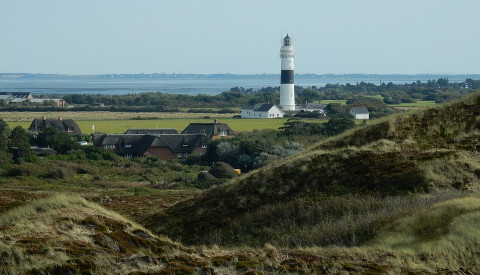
(328, 101)
(418, 104)
(375, 96)
(102, 115)
(121, 125)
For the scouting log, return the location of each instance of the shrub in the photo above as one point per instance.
(60, 173)
(223, 170)
(203, 176)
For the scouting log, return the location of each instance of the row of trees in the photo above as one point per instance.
(240, 97)
(17, 143)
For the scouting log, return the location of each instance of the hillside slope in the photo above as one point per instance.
(65, 235)
(69, 235)
(419, 152)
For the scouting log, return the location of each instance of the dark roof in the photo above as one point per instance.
(17, 94)
(178, 143)
(260, 107)
(154, 131)
(315, 106)
(359, 110)
(43, 151)
(39, 124)
(209, 129)
(311, 106)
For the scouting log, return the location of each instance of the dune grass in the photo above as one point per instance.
(446, 235)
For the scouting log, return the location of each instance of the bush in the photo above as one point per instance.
(61, 173)
(223, 170)
(203, 176)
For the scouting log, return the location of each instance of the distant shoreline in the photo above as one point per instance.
(190, 84)
(227, 75)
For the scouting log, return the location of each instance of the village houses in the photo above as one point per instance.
(165, 144)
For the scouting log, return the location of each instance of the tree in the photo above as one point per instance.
(20, 140)
(4, 135)
(56, 139)
(293, 126)
(336, 125)
(442, 82)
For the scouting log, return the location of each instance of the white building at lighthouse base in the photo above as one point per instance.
(262, 110)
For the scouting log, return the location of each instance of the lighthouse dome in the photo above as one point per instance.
(287, 41)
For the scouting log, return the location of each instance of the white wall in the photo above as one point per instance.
(362, 116)
(273, 113)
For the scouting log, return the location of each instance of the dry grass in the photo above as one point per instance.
(445, 235)
(70, 234)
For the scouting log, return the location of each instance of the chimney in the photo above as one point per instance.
(44, 118)
(59, 118)
(215, 121)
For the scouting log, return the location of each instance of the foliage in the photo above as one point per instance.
(223, 170)
(19, 144)
(58, 140)
(335, 125)
(4, 135)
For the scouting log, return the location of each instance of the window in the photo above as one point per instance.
(179, 155)
(201, 154)
(128, 145)
(109, 146)
(204, 146)
(224, 133)
(185, 154)
(70, 129)
(128, 156)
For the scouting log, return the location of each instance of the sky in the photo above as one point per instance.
(239, 37)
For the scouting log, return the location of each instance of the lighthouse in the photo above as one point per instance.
(287, 92)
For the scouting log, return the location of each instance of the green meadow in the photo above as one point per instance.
(418, 104)
(120, 126)
(328, 101)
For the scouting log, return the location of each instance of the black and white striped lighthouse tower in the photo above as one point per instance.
(287, 92)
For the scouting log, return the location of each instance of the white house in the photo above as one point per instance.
(262, 110)
(312, 107)
(360, 112)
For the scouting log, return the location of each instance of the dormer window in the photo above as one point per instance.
(224, 133)
(70, 129)
(204, 146)
(128, 145)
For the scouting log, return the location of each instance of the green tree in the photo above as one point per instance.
(442, 82)
(336, 125)
(293, 126)
(56, 139)
(4, 136)
(20, 140)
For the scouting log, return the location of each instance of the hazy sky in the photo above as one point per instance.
(240, 37)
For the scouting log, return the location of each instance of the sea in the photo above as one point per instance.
(188, 84)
